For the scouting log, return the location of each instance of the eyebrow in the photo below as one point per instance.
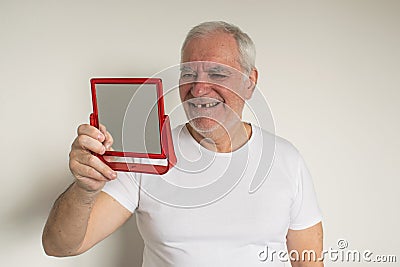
(216, 69)
(186, 68)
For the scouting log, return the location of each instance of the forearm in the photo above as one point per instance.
(66, 226)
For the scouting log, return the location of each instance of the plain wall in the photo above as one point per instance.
(329, 69)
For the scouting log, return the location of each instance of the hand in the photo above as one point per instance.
(90, 172)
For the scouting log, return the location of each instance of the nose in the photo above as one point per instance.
(199, 89)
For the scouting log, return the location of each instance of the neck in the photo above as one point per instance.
(220, 140)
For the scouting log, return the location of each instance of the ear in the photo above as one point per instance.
(251, 83)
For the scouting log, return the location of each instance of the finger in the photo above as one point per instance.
(89, 172)
(85, 142)
(98, 165)
(109, 140)
(89, 130)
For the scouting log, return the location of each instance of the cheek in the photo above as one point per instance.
(183, 91)
(233, 96)
(236, 103)
(235, 90)
(239, 104)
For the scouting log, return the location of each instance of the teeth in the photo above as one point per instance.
(208, 105)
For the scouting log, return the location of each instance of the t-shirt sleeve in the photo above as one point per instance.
(305, 211)
(124, 189)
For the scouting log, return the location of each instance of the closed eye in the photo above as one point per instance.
(188, 76)
(217, 76)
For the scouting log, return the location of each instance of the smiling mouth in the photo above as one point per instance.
(205, 105)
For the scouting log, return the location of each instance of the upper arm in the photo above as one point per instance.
(306, 242)
(107, 215)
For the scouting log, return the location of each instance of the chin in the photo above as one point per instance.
(204, 125)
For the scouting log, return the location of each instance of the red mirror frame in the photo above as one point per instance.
(167, 147)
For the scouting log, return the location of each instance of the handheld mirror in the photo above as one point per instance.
(132, 110)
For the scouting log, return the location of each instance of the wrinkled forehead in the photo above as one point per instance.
(209, 67)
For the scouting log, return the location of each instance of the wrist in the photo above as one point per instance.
(82, 195)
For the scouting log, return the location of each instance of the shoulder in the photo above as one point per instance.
(283, 148)
(286, 161)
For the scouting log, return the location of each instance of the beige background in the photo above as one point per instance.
(330, 71)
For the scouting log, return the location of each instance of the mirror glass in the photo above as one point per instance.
(130, 113)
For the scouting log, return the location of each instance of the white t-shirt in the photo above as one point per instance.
(201, 212)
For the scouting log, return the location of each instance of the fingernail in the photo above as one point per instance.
(100, 137)
(113, 175)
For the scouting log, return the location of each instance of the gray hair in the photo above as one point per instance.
(247, 50)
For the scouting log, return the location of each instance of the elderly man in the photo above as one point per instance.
(218, 75)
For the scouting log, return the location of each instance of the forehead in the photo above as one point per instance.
(217, 47)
